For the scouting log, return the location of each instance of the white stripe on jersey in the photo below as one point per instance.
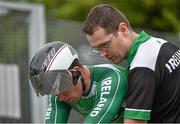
(147, 53)
(142, 110)
(55, 118)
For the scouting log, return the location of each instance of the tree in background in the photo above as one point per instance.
(161, 15)
(152, 14)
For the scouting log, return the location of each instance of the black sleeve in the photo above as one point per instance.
(141, 91)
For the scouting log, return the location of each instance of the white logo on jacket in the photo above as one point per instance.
(105, 90)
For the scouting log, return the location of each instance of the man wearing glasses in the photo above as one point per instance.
(97, 92)
(154, 65)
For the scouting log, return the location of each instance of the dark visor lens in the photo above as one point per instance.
(35, 83)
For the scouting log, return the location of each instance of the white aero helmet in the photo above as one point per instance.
(48, 69)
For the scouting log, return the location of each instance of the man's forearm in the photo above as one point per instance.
(127, 121)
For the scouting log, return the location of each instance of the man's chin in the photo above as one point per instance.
(75, 101)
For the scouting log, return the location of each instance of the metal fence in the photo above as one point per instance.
(13, 50)
(22, 32)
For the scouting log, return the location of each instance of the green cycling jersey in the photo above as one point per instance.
(102, 104)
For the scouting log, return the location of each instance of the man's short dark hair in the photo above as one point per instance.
(104, 16)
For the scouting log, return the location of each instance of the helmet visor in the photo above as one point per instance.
(62, 82)
(51, 82)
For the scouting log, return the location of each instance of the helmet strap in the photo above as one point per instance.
(77, 76)
(83, 86)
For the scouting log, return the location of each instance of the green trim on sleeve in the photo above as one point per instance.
(137, 114)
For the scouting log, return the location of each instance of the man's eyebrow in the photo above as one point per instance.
(104, 43)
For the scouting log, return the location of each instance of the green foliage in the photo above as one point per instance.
(162, 15)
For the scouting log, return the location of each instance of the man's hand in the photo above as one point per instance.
(127, 121)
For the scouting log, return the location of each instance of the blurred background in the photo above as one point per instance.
(25, 25)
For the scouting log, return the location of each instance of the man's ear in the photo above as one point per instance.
(122, 27)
